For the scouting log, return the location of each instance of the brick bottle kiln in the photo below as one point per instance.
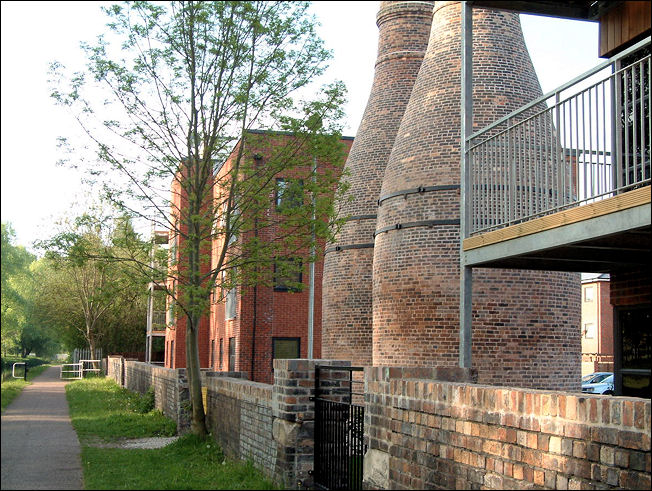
(404, 28)
(525, 327)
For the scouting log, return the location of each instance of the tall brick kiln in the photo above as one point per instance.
(404, 28)
(525, 324)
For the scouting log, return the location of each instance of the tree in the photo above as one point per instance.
(185, 84)
(15, 275)
(86, 286)
(22, 328)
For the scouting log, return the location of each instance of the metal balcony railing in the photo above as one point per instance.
(158, 320)
(583, 142)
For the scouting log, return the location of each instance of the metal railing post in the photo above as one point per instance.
(465, 188)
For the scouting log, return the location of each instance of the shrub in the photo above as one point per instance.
(147, 402)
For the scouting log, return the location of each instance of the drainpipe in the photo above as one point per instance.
(311, 291)
(257, 159)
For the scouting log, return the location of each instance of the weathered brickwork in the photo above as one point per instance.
(426, 428)
(115, 369)
(239, 415)
(431, 434)
(347, 323)
(526, 323)
(294, 418)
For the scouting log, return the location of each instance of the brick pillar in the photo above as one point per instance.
(294, 419)
(346, 323)
(525, 324)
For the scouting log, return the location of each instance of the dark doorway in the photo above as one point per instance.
(633, 353)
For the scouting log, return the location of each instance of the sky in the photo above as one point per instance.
(36, 192)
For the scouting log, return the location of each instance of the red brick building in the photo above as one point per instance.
(176, 322)
(250, 326)
(256, 324)
(597, 324)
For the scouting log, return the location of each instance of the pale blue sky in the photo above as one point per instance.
(35, 192)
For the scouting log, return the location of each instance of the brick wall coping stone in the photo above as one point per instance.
(240, 389)
(443, 374)
(614, 420)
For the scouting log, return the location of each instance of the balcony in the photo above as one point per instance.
(564, 182)
(158, 323)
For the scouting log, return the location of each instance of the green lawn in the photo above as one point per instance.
(12, 387)
(101, 411)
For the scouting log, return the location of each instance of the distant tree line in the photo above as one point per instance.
(69, 298)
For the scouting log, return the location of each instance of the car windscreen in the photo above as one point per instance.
(598, 378)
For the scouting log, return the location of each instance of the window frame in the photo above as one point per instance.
(281, 186)
(281, 286)
(231, 367)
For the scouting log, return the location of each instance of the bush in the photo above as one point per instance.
(7, 362)
(147, 402)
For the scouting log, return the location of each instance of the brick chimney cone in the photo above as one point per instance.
(404, 28)
(525, 323)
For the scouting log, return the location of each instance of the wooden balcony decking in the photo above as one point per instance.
(606, 236)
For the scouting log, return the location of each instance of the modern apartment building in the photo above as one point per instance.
(248, 327)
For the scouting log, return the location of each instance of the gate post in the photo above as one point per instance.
(294, 419)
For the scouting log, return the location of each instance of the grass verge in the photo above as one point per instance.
(101, 410)
(12, 387)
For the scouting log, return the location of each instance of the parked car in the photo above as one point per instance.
(598, 383)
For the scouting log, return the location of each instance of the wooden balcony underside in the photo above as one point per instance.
(606, 236)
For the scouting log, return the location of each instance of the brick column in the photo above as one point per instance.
(294, 419)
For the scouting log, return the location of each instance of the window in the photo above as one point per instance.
(634, 345)
(289, 193)
(231, 354)
(588, 294)
(221, 353)
(231, 303)
(285, 348)
(212, 353)
(171, 354)
(288, 276)
(589, 330)
(172, 304)
(231, 295)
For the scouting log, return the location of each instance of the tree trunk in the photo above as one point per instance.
(198, 420)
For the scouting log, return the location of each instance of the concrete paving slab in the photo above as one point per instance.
(40, 449)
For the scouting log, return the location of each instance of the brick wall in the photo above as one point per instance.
(525, 323)
(631, 288)
(426, 433)
(115, 369)
(294, 418)
(239, 415)
(425, 428)
(404, 28)
(179, 278)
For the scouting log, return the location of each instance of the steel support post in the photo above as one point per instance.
(466, 283)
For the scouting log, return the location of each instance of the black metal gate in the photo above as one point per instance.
(339, 428)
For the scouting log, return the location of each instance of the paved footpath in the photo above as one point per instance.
(40, 449)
